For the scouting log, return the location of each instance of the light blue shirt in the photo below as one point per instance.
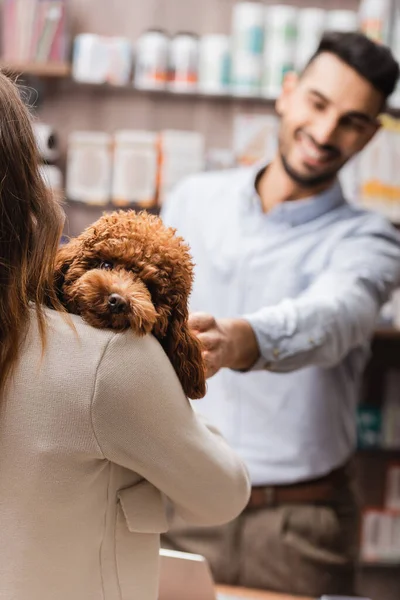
(310, 276)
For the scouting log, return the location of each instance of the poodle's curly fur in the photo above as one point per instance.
(128, 270)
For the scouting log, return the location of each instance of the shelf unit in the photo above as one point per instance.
(37, 69)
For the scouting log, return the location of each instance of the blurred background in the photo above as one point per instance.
(130, 96)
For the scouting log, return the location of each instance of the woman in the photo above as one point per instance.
(94, 428)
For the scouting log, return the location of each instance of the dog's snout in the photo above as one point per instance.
(117, 304)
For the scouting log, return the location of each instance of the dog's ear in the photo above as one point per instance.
(64, 259)
(184, 351)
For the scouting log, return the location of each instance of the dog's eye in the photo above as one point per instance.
(106, 265)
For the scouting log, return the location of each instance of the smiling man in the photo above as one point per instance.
(289, 281)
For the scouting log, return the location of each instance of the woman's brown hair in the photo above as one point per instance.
(30, 227)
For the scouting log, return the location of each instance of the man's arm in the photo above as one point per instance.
(337, 313)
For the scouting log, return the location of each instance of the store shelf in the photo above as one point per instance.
(36, 69)
(366, 564)
(166, 93)
(91, 207)
(384, 453)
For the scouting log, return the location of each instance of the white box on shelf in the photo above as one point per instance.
(100, 59)
(89, 165)
(182, 153)
(380, 536)
(135, 164)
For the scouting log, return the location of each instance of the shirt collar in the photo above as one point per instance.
(296, 212)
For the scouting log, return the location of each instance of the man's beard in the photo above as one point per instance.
(307, 181)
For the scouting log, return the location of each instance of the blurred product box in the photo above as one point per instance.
(182, 153)
(132, 167)
(254, 138)
(380, 536)
(135, 164)
(379, 174)
(99, 59)
(89, 167)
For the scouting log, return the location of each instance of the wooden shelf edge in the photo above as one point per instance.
(391, 453)
(49, 69)
(196, 95)
(365, 564)
(385, 333)
(168, 93)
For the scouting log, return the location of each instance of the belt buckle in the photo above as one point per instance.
(269, 495)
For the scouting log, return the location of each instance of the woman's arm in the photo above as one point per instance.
(143, 421)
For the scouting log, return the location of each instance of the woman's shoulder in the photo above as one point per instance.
(118, 360)
(71, 331)
(68, 335)
(74, 327)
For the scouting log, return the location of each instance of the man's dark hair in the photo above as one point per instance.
(372, 61)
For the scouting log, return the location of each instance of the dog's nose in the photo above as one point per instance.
(117, 304)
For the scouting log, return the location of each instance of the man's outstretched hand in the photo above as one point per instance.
(227, 343)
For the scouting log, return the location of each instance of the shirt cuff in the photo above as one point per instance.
(268, 346)
(261, 363)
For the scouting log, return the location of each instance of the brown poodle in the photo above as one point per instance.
(128, 270)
